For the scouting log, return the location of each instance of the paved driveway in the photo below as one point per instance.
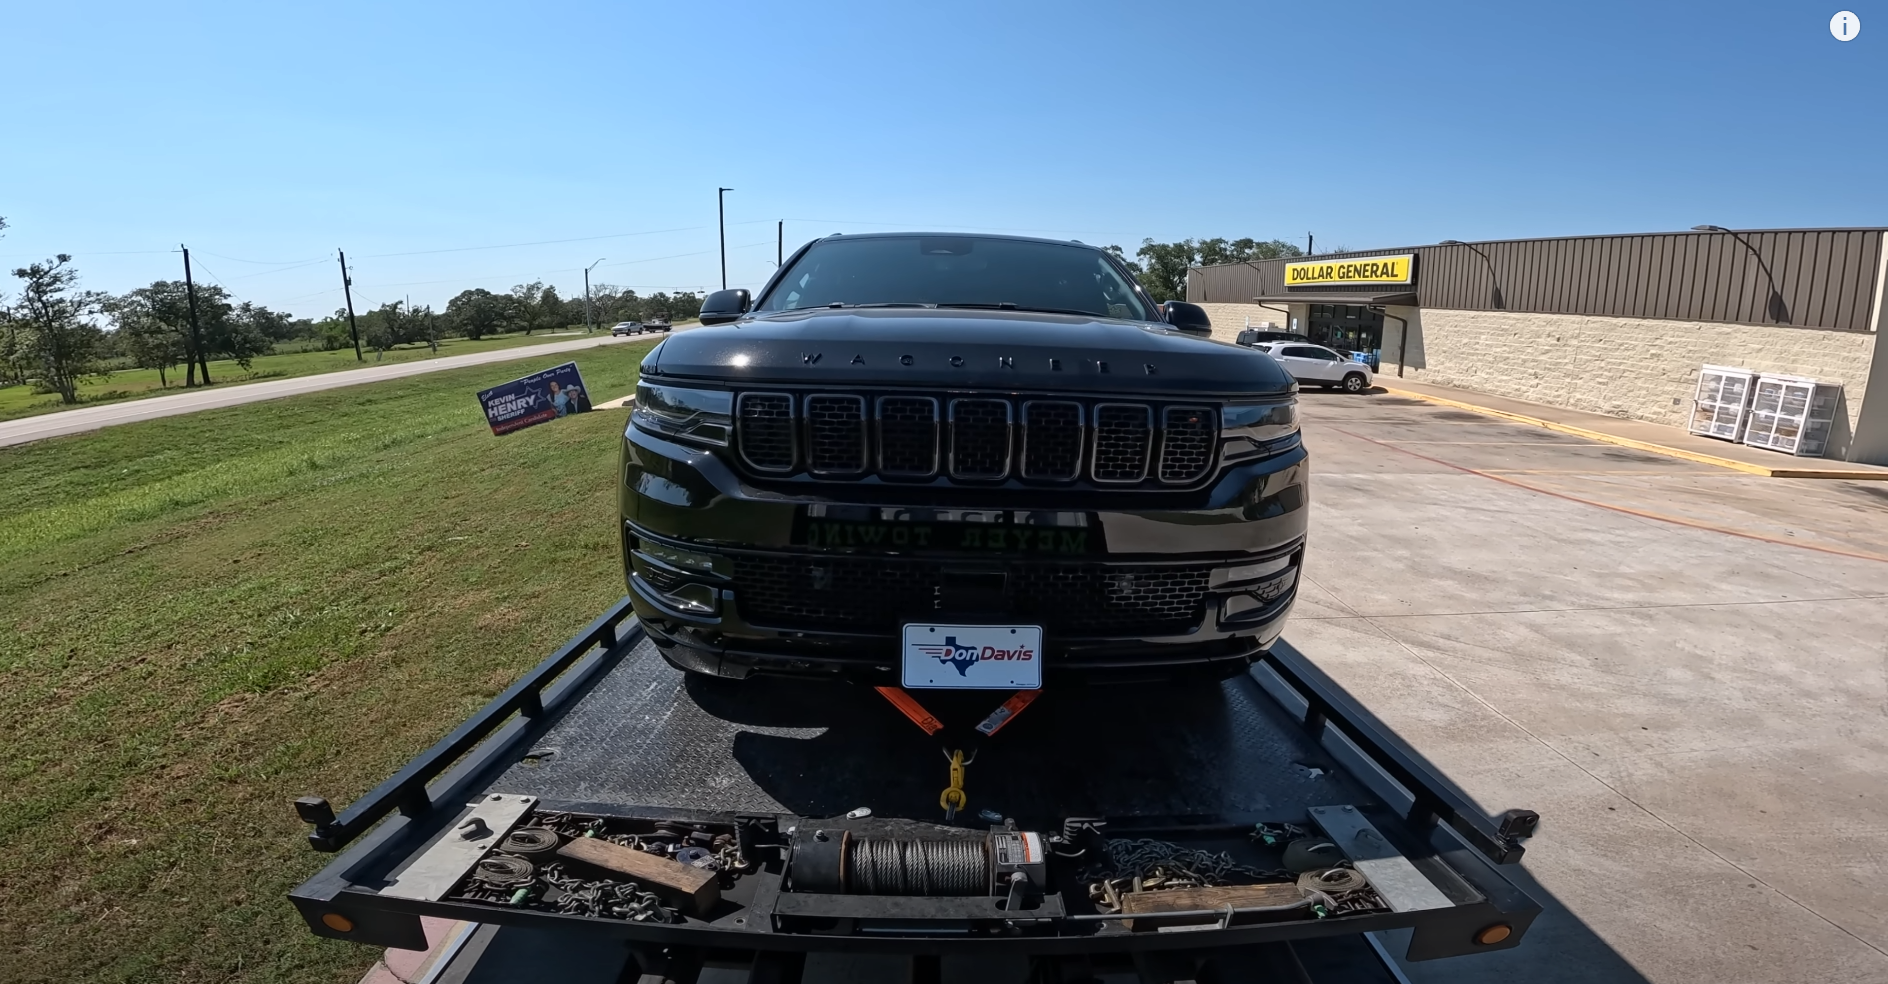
(1680, 667)
(93, 418)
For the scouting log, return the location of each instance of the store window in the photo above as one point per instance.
(1346, 327)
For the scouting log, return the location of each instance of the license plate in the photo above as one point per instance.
(973, 657)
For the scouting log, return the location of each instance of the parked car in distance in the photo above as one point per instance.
(1253, 336)
(1318, 366)
(627, 328)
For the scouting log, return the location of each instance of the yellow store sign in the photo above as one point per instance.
(1363, 270)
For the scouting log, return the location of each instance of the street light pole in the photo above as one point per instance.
(1778, 310)
(588, 324)
(721, 218)
(1494, 283)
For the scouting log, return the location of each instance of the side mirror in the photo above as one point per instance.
(1190, 318)
(724, 306)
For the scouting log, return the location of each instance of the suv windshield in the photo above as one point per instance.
(957, 271)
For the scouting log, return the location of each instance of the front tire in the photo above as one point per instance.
(1355, 383)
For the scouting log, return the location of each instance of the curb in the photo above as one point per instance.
(1694, 456)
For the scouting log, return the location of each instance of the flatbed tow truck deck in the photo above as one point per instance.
(761, 783)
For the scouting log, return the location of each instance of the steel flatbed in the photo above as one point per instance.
(605, 729)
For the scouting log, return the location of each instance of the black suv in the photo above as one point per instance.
(946, 436)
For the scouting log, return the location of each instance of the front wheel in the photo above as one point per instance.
(1354, 382)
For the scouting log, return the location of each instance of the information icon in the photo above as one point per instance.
(1845, 25)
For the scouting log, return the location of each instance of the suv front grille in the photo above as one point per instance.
(765, 430)
(835, 434)
(975, 438)
(878, 593)
(1124, 433)
(980, 439)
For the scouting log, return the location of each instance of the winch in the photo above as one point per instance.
(836, 861)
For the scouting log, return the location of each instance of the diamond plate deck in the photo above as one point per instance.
(645, 736)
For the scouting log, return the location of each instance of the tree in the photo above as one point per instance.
(1166, 264)
(478, 312)
(150, 336)
(61, 346)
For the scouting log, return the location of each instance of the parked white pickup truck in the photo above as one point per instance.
(1319, 366)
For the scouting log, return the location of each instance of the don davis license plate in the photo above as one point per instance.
(973, 657)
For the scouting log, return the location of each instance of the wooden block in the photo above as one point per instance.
(1183, 899)
(699, 888)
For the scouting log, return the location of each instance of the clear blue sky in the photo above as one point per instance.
(262, 134)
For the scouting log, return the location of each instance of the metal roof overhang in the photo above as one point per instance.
(1401, 297)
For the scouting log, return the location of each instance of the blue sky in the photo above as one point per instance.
(265, 135)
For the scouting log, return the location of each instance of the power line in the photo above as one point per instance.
(543, 242)
(237, 259)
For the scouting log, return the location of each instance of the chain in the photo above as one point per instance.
(1145, 864)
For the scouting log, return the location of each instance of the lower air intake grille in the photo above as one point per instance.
(1186, 444)
(835, 434)
(1067, 600)
(1124, 433)
(765, 431)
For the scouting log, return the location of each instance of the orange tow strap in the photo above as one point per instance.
(912, 709)
(1007, 713)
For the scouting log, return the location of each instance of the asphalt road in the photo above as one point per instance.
(84, 419)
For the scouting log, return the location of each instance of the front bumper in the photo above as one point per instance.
(721, 568)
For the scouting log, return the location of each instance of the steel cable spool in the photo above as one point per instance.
(917, 866)
(840, 862)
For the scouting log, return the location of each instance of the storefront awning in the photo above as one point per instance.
(1402, 297)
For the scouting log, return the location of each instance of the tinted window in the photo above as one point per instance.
(957, 271)
(1306, 352)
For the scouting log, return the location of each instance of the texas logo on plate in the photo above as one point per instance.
(973, 657)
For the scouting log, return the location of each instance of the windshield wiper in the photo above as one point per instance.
(1012, 306)
(879, 304)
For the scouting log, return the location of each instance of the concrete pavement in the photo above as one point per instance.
(1680, 667)
(85, 419)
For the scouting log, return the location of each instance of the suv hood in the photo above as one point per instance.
(1005, 350)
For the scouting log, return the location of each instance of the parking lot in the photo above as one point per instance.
(1680, 667)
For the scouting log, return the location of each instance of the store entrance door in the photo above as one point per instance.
(1346, 327)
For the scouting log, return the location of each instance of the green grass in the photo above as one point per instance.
(205, 616)
(132, 384)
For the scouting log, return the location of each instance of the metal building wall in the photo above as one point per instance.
(1822, 278)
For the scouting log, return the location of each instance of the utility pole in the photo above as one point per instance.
(780, 243)
(1308, 241)
(721, 216)
(588, 325)
(347, 291)
(196, 337)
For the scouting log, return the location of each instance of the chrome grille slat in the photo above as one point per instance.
(977, 438)
(980, 439)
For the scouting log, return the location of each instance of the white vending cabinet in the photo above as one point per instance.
(1722, 402)
(1792, 414)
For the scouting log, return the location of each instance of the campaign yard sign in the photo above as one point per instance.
(534, 399)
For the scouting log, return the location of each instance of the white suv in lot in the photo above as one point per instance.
(1316, 365)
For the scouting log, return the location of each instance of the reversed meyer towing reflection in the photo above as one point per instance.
(1276, 829)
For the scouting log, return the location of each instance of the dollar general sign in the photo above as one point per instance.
(1363, 270)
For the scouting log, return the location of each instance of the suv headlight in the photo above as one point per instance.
(1248, 428)
(698, 415)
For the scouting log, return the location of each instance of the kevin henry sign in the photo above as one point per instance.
(541, 396)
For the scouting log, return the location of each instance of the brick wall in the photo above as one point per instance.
(1640, 368)
(1228, 319)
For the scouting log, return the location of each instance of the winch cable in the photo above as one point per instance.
(953, 799)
